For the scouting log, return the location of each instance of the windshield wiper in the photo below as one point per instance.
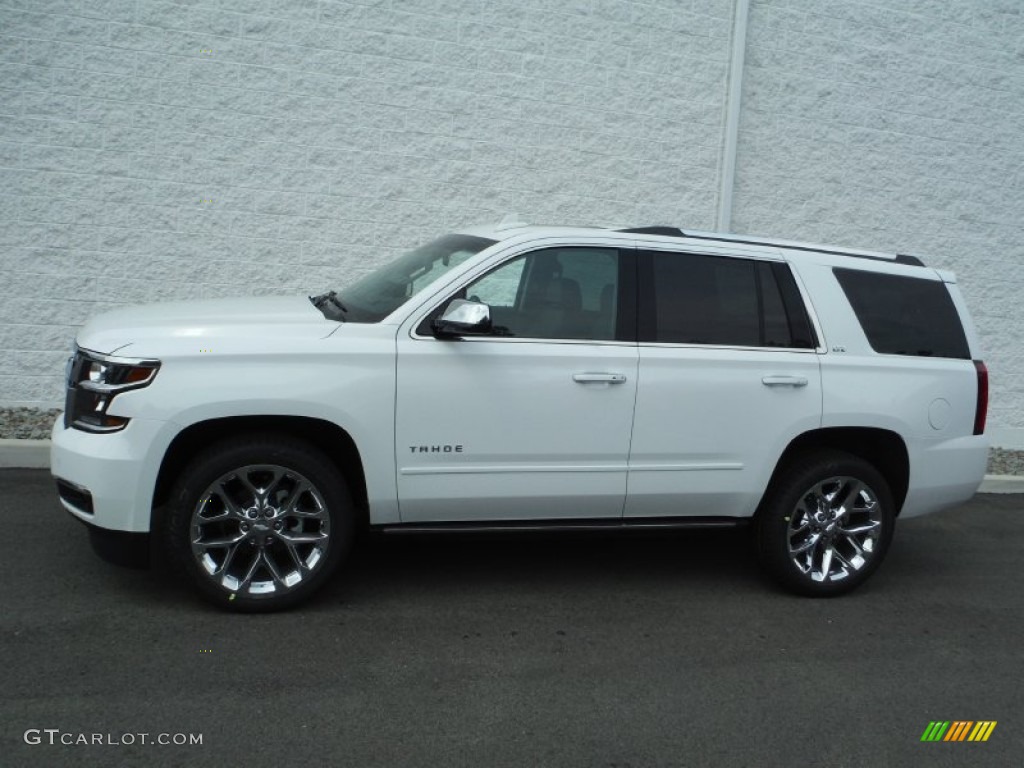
(331, 297)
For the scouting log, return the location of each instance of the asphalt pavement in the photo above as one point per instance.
(647, 652)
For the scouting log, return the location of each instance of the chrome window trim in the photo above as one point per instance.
(728, 347)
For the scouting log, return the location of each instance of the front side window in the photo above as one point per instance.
(553, 293)
(723, 301)
(377, 295)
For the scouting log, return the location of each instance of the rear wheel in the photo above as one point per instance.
(259, 522)
(826, 524)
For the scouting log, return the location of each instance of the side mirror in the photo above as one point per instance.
(464, 318)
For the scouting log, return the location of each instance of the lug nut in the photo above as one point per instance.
(244, 527)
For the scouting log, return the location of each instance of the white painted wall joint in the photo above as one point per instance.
(734, 89)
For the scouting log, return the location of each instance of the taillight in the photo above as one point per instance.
(981, 410)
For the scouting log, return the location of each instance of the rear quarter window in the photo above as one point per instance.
(905, 315)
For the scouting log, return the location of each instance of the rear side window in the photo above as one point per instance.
(905, 315)
(719, 300)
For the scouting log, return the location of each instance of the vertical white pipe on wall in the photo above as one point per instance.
(727, 177)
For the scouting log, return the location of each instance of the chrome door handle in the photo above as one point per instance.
(604, 378)
(784, 381)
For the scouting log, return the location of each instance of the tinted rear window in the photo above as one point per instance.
(719, 300)
(905, 315)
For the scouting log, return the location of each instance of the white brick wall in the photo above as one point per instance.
(896, 125)
(327, 135)
(156, 150)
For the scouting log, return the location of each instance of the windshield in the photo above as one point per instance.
(378, 294)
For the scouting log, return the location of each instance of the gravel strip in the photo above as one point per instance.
(1003, 461)
(27, 423)
(36, 423)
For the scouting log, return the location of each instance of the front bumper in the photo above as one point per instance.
(113, 473)
(131, 550)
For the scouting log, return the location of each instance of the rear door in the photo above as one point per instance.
(728, 375)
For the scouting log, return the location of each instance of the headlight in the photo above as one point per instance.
(104, 376)
(94, 380)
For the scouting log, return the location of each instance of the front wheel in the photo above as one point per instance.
(826, 524)
(259, 523)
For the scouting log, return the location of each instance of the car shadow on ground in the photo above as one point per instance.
(391, 566)
(722, 561)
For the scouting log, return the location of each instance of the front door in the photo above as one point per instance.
(534, 421)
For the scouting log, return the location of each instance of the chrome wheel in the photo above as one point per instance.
(834, 529)
(260, 531)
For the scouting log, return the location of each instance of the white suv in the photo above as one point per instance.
(524, 377)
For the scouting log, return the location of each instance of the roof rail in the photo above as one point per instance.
(906, 258)
(668, 231)
(510, 221)
(655, 230)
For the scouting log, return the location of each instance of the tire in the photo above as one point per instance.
(258, 522)
(811, 538)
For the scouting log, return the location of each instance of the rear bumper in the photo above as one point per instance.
(944, 474)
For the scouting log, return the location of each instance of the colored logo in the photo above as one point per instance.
(958, 730)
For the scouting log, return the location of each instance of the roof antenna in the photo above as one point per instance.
(510, 221)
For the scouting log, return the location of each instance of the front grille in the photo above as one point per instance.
(72, 371)
(75, 495)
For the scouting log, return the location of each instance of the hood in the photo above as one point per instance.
(192, 322)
